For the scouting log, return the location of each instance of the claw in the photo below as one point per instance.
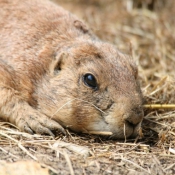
(38, 123)
(28, 130)
(43, 130)
(54, 126)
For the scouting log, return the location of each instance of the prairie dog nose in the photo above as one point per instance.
(135, 117)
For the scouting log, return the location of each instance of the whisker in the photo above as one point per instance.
(62, 107)
(79, 100)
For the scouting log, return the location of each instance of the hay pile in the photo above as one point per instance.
(148, 28)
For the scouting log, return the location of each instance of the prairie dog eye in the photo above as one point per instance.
(89, 80)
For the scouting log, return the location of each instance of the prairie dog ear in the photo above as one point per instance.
(82, 27)
(57, 63)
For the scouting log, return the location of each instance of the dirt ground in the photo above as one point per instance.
(145, 29)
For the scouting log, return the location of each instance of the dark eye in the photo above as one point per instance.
(89, 80)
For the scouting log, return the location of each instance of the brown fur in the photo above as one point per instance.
(44, 52)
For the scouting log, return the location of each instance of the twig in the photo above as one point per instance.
(169, 167)
(81, 150)
(124, 130)
(136, 165)
(156, 106)
(105, 133)
(69, 163)
(7, 152)
(19, 144)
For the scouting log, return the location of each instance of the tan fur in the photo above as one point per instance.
(44, 53)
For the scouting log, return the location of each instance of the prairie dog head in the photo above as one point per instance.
(94, 87)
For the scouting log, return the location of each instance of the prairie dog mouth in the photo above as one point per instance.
(134, 133)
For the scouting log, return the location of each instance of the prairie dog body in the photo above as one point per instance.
(55, 73)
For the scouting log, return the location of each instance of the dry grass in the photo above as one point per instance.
(150, 34)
